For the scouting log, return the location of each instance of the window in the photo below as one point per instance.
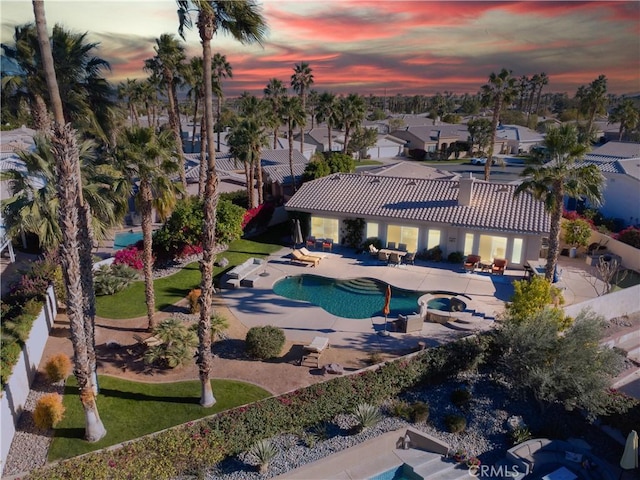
(372, 230)
(433, 239)
(406, 235)
(468, 243)
(492, 247)
(516, 254)
(325, 228)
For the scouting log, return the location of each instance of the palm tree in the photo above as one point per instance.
(498, 92)
(130, 91)
(33, 206)
(167, 64)
(593, 99)
(243, 20)
(246, 142)
(350, 114)
(627, 114)
(221, 68)
(192, 73)
(301, 80)
(543, 80)
(75, 249)
(145, 157)
(312, 102)
(327, 108)
(274, 93)
(561, 176)
(292, 114)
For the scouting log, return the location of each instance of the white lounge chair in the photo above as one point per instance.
(306, 252)
(314, 350)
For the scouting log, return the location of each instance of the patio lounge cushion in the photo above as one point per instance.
(318, 344)
(306, 252)
(298, 256)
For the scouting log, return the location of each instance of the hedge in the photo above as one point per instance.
(195, 446)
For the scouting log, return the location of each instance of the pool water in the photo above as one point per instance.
(124, 239)
(396, 473)
(353, 298)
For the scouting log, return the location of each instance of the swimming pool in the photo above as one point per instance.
(124, 239)
(353, 298)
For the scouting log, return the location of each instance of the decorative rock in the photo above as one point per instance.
(223, 262)
(334, 368)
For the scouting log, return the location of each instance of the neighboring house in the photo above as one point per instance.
(412, 170)
(387, 146)
(518, 139)
(463, 215)
(319, 138)
(433, 138)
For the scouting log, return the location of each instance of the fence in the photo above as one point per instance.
(17, 388)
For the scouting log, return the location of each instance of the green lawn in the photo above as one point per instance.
(129, 303)
(131, 409)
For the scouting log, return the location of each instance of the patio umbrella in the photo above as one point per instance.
(297, 233)
(386, 308)
(629, 458)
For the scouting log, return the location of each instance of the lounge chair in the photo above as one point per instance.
(499, 266)
(314, 350)
(298, 257)
(306, 252)
(394, 259)
(471, 262)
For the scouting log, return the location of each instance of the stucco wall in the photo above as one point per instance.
(612, 305)
(17, 389)
(621, 198)
(630, 255)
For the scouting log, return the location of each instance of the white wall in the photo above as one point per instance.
(616, 304)
(622, 198)
(630, 255)
(14, 396)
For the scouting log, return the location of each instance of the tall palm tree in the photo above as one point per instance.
(498, 92)
(167, 64)
(221, 68)
(246, 142)
(350, 114)
(301, 80)
(327, 108)
(274, 93)
(75, 249)
(593, 99)
(292, 115)
(559, 177)
(312, 102)
(543, 79)
(130, 91)
(627, 114)
(145, 157)
(193, 77)
(243, 20)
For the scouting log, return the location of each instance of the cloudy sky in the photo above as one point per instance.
(373, 47)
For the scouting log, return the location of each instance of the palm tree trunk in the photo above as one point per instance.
(202, 172)
(146, 210)
(554, 231)
(494, 125)
(329, 133)
(174, 123)
(260, 181)
(195, 119)
(206, 27)
(293, 178)
(252, 183)
(275, 138)
(218, 114)
(40, 114)
(65, 150)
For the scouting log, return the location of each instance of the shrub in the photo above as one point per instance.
(455, 257)
(317, 433)
(577, 232)
(263, 451)
(375, 357)
(264, 342)
(29, 287)
(58, 367)
(519, 435)
(419, 412)
(130, 256)
(460, 397)
(49, 411)
(630, 236)
(375, 241)
(194, 300)
(110, 279)
(434, 254)
(366, 415)
(455, 423)
(401, 409)
(177, 347)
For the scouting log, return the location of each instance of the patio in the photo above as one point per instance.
(301, 321)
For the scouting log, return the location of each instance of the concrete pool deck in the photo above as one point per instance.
(302, 321)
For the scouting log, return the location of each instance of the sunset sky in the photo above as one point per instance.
(373, 47)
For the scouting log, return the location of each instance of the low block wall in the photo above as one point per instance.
(17, 389)
(630, 255)
(612, 305)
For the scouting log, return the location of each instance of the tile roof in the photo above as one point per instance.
(282, 174)
(617, 150)
(493, 208)
(412, 170)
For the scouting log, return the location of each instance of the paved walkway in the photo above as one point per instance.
(301, 321)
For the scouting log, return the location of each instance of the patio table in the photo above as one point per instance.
(539, 267)
(388, 251)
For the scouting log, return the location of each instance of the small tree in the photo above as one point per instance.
(531, 297)
(577, 232)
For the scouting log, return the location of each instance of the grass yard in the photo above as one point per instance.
(129, 303)
(131, 409)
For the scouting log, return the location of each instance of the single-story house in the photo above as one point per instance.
(519, 139)
(433, 138)
(465, 215)
(412, 170)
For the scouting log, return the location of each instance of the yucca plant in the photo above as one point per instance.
(366, 416)
(263, 451)
(519, 435)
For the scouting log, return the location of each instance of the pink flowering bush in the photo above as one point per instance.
(630, 236)
(129, 256)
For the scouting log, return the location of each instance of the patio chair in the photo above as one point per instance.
(499, 266)
(327, 244)
(394, 259)
(311, 242)
(383, 257)
(314, 350)
(409, 258)
(402, 247)
(391, 245)
(528, 272)
(471, 263)
(298, 257)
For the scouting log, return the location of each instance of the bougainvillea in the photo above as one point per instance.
(130, 256)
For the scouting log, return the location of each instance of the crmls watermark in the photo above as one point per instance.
(493, 471)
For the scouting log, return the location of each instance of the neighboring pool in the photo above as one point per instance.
(124, 239)
(353, 298)
(396, 473)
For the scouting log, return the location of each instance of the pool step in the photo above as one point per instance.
(361, 285)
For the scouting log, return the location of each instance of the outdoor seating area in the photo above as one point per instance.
(471, 263)
(324, 244)
(497, 266)
(313, 351)
(244, 274)
(394, 257)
